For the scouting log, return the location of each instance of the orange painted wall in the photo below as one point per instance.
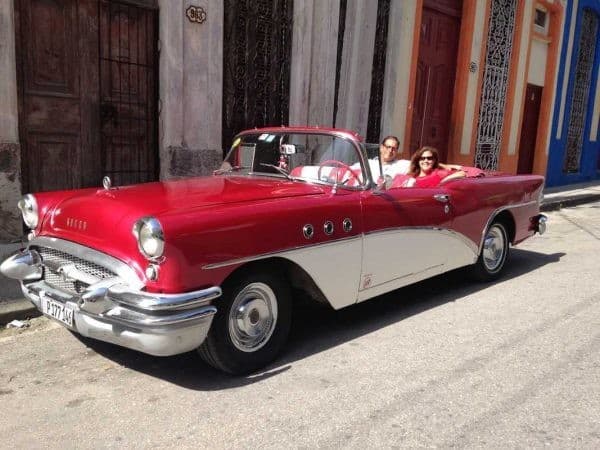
(461, 85)
(540, 160)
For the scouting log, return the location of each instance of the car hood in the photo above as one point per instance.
(92, 215)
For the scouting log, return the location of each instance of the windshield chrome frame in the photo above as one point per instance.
(359, 146)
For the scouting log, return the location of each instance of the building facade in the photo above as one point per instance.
(155, 89)
(574, 145)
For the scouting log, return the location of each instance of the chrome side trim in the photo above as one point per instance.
(102, 259)
(469, 243)
(247, 259)
(493, 215)
(408, 275)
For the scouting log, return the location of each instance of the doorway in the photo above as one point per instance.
(87, 87)
(436, 73)
(531, 116)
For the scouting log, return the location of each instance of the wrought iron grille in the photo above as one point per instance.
(378, 72)
(128, 89)
(256, 64)
(581, 90)
(495, 81)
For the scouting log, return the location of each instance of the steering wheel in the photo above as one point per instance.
(340, 165)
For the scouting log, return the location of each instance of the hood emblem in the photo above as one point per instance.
(106, 182)
(77, 224)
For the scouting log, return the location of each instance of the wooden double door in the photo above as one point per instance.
(436, 73)
(87, 80)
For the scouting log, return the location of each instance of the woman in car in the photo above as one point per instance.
(425, 169)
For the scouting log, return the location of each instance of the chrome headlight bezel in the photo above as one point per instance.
(29, 210)
(150, 237)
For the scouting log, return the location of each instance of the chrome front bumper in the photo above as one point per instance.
(111, 310)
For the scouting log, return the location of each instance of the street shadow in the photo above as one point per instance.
(317, 328)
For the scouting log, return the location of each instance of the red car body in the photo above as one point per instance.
(220, 230)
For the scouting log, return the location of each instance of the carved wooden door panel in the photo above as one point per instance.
(74, 125)
(56, 95)
(128, 92)
(436, 67)
(256, 64)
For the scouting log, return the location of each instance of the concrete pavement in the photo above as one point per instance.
(14, 306)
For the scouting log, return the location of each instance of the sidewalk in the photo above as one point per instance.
(14, 306)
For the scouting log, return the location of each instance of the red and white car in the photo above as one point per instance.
(211, 263)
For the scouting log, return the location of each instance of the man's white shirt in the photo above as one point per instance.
(398, 167)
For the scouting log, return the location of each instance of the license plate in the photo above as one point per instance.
(57, 310)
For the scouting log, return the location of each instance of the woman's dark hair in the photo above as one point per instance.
(415, 169)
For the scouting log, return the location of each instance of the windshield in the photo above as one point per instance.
(320, 158)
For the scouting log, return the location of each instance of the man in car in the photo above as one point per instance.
(390, 164)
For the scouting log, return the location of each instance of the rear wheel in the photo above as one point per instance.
(493, 254)
(251, 325)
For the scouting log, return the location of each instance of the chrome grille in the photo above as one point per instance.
(56, 258)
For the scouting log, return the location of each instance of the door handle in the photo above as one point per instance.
(443, 198)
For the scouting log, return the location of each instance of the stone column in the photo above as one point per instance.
(397, 68)
(10, 154)
(313, 62)
(357, 64)
(190, 89)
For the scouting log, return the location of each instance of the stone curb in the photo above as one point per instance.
(565, 202)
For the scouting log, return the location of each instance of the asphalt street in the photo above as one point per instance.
(444, 363)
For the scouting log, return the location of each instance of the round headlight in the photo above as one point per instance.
(150, 237)
(29, 210)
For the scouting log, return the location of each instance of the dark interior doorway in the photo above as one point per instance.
(531, 116)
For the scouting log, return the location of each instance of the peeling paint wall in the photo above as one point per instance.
(10, 161)
(10, 186)
(190, 89)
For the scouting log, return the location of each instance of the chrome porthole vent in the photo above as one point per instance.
(308, 231)
(328, 228)
(347, 225)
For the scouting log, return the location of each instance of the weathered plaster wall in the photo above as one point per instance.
(190, 89)
(357, 65)
(313, 62)
(10, 165)
(397, 68)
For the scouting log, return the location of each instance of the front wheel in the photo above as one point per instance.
(251, 325)
(493, 254)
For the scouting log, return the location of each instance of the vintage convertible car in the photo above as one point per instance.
(211, 263)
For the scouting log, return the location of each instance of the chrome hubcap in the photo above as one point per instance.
(252, 317)
(493, 248)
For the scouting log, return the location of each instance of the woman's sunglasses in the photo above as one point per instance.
(426, 158)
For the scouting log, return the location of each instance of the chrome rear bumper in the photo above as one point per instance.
(539, 223)
(111, 310)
